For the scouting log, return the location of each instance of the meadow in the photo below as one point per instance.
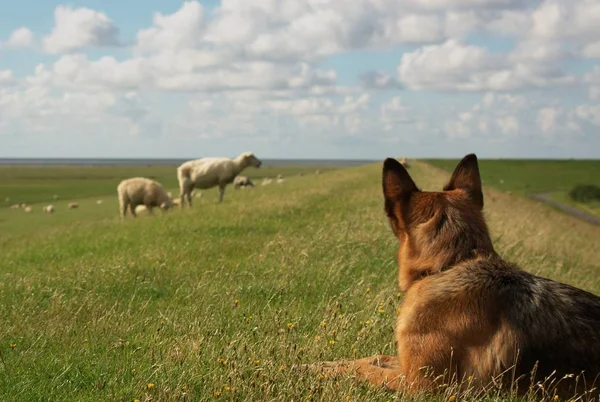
(527, 177)
(220, 301)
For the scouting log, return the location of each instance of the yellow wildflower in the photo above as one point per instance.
(368, 290)
(217, 393)
(13, 345)
(290, 325)
(331, 342)
(323, 324)
(236, 302)
(256, 362)
(227, 388)
(452, 398)
(150, 385)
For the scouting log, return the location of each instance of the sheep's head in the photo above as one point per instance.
(251, 160)
(165, 206)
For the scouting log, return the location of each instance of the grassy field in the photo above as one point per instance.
(39, 184)
(218, 302)
(592, 207)
(532, 176)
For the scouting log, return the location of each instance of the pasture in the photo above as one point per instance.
(218, 302)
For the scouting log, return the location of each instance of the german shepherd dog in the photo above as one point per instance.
(469, 316)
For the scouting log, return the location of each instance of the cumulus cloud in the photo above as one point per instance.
(377, 80)
(78, 28)
(453, 65)
(180, 30)
(19, 38)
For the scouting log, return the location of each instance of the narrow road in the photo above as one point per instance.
(545, 198)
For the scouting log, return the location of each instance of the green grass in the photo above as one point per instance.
(532, 176)
(226, 298)
(39, 184)
(590, 207)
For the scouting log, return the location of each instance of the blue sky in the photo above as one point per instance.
(301, 79)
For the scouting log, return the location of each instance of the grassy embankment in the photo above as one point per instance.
(221, 300)
(526, 177)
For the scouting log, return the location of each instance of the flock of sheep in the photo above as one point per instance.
(140, 193)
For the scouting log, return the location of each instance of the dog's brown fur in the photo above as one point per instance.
(468, 313)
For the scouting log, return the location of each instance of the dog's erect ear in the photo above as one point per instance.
(398, 187)
(466, 177)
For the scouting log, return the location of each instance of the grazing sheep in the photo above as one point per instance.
(28, 209)
(176, 201)
(49, 209)
(404, 162)
(318, 172)
(73, 205)
(99, 202)
(16, 206)
(242, 181)
(139, 190)
(280, 179)
(267, 181)
(206, 173)
(23, 205)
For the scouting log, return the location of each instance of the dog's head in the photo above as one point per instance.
(436, 229)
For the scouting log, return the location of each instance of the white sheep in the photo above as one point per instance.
(280, 179)
(99, 202)
(16, 206)
(266, 181)
(73, 205)
(49, 209)
(28, 209)
(206, 173)
(142, 191)
(404, 162)
(243, 182)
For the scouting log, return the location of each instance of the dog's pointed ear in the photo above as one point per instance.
(466, 177)
(398, 187)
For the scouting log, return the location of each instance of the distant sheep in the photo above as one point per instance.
(242, 181)
(267, 181)
(49, 209)
(23, 205)
(99, 202)
(206, 173)
(142, 191)
(73, 205)
(16, 206)
(318, 172)
(28, 209)
(280, 179)
(404, 162)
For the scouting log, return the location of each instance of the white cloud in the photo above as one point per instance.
(20, 38)
(457, 66)
(590, 113)
(180, 30)
(593, 79)
(78, 28)
(6, 77)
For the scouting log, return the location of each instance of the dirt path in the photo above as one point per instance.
(545, 198)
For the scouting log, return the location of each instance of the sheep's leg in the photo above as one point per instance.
(221, 192)
(132, 210)
(189, 196)
(123, 209)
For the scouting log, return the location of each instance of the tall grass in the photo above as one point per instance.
(222, 300)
